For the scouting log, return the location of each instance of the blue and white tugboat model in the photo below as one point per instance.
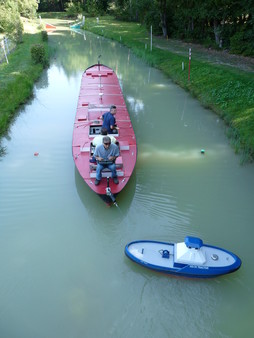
(190, 258)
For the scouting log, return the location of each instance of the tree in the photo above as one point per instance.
(27, 8)
(10, 21)
(96, 7)
(51, 5)
(162, 5)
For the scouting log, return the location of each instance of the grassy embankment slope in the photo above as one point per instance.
(227, 91)
(18, 76)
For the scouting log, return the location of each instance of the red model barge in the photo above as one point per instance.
(99, 90)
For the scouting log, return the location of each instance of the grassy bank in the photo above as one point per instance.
(229, 92)
(18, 76)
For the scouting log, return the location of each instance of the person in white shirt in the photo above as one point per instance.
(98, 139)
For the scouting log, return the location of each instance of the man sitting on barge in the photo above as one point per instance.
(106, 154)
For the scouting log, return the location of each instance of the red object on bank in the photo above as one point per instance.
(49, 27)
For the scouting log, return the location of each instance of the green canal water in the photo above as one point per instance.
(63, 269)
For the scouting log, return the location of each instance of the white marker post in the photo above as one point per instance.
(2, 43)
(151, 46)
(7, 44)
(189, 63)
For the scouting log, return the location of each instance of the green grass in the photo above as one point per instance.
(227, 91)
(17, 79)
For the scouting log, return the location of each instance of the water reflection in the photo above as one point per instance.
(43, 81)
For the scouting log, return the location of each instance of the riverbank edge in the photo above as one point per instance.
(227, 92)
(18, 77)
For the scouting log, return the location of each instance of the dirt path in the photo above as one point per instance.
(209, 55)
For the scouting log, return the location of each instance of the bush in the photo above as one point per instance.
(73, 10)
(44, 35)
(28, 8)
(11, 24)
(38, 54)
(242, 43)
(95, 7)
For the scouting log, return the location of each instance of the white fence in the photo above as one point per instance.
(6, 46)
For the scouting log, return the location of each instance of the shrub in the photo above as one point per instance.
(27, 8)
(44, 35)
(242, 43)
(38, 54)
(11, 24)
(73, 10)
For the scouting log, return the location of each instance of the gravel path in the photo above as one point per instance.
(201, 53)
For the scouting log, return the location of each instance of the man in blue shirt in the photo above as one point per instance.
(106, 154)
(109, 121)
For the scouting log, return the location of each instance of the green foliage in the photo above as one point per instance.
(148, 14)
(96, 7)
(72, 9)
(44, 35)
(242, 43)
(144, 11)
(10, 21)
(17, 79)
(60, 5)
(15, 93)
(195, 20)
(50, 6)
(27, 8)
(38, 54)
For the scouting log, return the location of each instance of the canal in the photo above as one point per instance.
(63, 268)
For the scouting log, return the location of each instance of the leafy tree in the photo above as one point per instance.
(241, 39)
(27, 8)
(151, 16)
(10, 21)
(58, 5)
(216, 22)
(96, 7)
(51, 5)
(162, 5)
